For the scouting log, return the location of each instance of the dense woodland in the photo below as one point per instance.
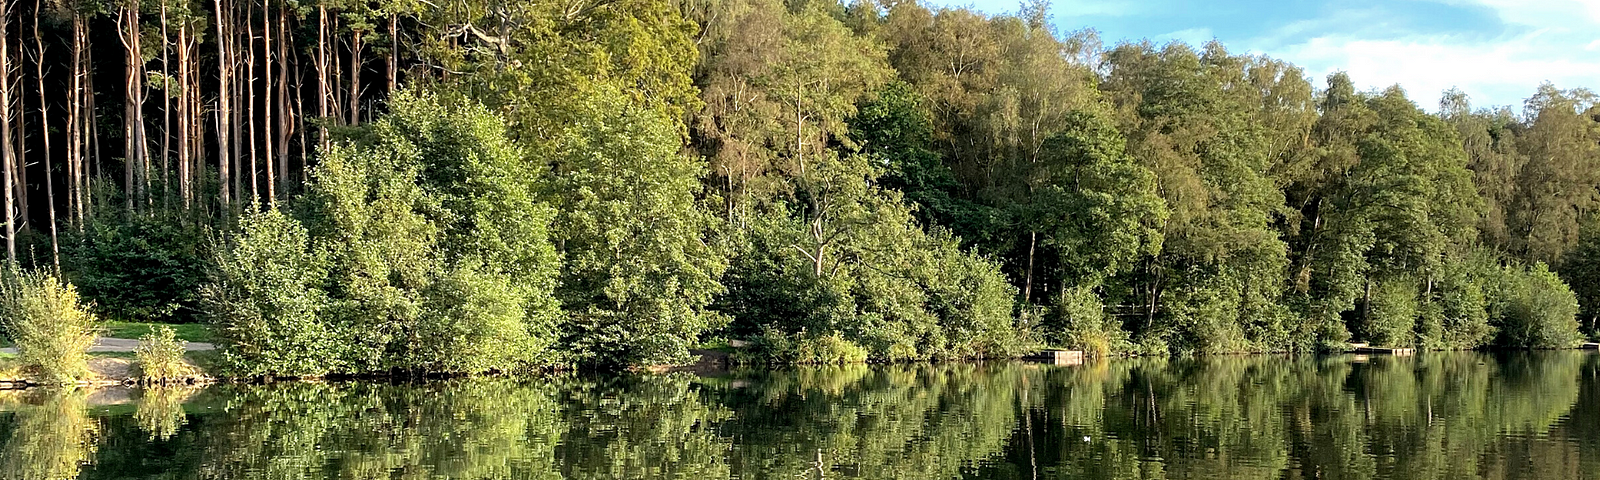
(347, 186)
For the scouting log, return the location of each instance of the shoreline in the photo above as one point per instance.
(113, 372)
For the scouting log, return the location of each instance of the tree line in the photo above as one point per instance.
(363, 186)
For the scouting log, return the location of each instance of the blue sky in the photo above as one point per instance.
(1498, 51)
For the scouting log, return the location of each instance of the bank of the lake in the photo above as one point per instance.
(1434, 415)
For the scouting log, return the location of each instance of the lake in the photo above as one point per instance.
(1439, 415)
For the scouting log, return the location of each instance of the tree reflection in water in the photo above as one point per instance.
(1454, 415)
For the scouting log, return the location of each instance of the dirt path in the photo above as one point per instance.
(108, 344)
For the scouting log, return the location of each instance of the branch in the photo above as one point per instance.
(500, 44)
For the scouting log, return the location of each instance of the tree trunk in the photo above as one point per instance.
(224, 110)
(133, 114)
(267, 132)
(166, 107)
(95, 167)
(44, 134)
(298, 117)
(75, 164)
(394, 53)
(185, 168)
(1027, 283)
(324, 88)
(237, 105)
(355, 77)
(18, 131)
(250, 86)
(9, 158)
(284, 127)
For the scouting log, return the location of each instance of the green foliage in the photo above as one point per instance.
(50, 326)
(895, 129)
(1461, 303)
(1392, 313)
(1084, 324)
(1581, 270)
(1533, 308)
(1217, 284)
(159, 356)
(138, 267)
(780, 81)
(434, 200)
(423, 249)
(1555, 188)
(474, 322)
(849, 259)
(603, 184)
(810, 349)
(266, 301)
(1099, 209)
(638, 272)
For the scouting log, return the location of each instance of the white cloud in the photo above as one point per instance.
(1551, 40)
(1499, 72)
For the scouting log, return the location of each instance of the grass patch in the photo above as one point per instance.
(188, 332)
(209, 361)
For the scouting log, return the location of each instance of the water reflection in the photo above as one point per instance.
(1458, 415)
(49, 436)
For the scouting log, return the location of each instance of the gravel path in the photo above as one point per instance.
(107, 344)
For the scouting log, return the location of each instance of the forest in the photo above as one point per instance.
(345, 186)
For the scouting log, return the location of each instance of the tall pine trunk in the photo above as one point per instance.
(6, 146)
(224, 107)
(284, 127)
(166, 107)
(250, 86)
(133, 111)
(268, 136)
(44, 135)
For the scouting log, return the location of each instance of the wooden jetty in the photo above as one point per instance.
(1590, 346)
(1057, 357)
(1369, 350)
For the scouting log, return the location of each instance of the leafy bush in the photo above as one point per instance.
(1392, 313)
(51, 328)
(1461, 295)
(1533, 308)
(850, 260)
(159, 356)
(473, 322)
(974, 304)
(266, 300)
(809, 349)
(138, 267)
(420, 247)
(1081, 322)
(637, 276)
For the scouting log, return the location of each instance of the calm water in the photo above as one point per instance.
(1457, 415)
